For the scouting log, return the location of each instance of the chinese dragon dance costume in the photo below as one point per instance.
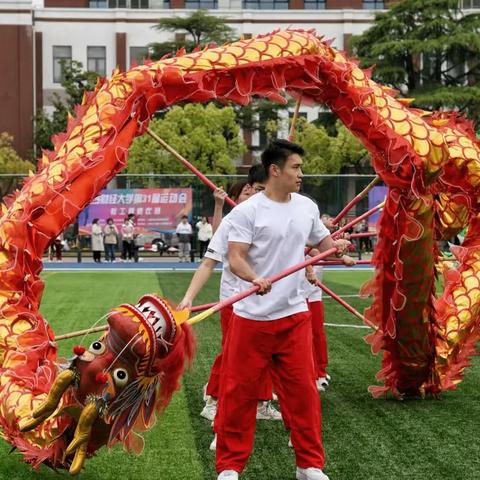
(429, 161)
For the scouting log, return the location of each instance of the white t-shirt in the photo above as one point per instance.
(183, 229)
(217, 250)
(204, 231)
(277, 234)
(313, 293)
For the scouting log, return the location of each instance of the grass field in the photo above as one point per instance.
(364, 438)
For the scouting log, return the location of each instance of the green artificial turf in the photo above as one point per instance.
(364, 438)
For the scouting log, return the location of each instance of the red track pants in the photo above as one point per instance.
(320, 353)
(213, 386)
(251, 348)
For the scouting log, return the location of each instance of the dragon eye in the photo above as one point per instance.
(120, 377)
(97, 348)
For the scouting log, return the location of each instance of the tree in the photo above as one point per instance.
(325, 153)
(202, 28)
(429, 50)
(76, 81)
(206, 135)
(11, 163)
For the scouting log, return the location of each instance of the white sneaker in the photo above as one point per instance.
(266, 411)
(210, 409)
(290, 444)
(213, 445)
(274, 397)
(322, 384)
(310, 474)
(228, 475)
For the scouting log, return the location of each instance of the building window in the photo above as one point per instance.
(470, 4)
(315, 4)
(61, 55)
(204, 4)
(138, 55)
(117, 3)
(373, 5)
(265, 5)
(98, 4)
(139, 4)
(96, 60)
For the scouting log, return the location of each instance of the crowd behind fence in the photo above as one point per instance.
(331, 192)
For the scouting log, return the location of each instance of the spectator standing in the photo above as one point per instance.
(131, 219)
(56, 249)
(110, 240)
(97, 241)
(127, 239)
(184, 232)
(205, 233)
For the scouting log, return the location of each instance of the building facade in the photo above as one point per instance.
(103, 34)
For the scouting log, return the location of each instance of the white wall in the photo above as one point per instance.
(80, 28)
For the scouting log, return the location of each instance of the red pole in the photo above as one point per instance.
(358, 219)
(346, 305)
(185, 162)
(275, 278)
(201, 308)
(363, 234)
(355, 200)
(335, 262)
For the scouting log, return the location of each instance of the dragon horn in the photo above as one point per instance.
(81, 437)
(41, 413)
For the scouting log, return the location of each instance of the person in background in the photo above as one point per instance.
(205, 233)
(56, 249)
(184, 232)
(97, 241)
(110, 240)
(132, 220)
(127, 231)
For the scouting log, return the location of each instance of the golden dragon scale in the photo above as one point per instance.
(429, 162)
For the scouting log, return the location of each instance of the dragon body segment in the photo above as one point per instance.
(430, 162)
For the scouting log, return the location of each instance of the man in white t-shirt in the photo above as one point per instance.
(268, 234)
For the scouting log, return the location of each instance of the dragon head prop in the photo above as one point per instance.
(112, 390)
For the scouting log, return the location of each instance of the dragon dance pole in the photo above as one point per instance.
(363, 234)
(337, 262)
(275, 278)
(291, 135)
(345, 304)
(358, 219)
(353, 202)
(101, 328)
(311, 261)
(215, 307)
(187, 164)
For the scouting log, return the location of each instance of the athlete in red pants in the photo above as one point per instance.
(268, 234)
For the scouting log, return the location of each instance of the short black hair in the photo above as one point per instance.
(257, 174)
(236, 189)
(277, 153)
